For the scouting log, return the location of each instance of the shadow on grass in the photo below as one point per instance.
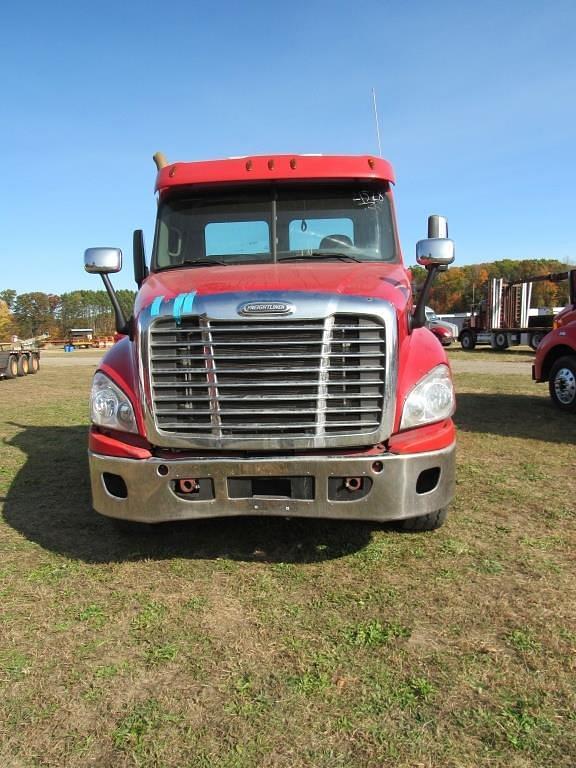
(49, 503)
(511, 415)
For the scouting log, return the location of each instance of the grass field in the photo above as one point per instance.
(265, 642)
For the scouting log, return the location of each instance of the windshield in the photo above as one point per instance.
(241, 226)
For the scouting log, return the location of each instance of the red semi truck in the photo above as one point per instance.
(275, 363)
(555, 360)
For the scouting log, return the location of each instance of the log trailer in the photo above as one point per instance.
(275, 362)
(503, 319)
(19, 358)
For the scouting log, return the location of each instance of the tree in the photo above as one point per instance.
(5, 320)
(8, 296)
(32, 313)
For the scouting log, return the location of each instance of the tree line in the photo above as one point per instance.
(31, 314)
(455, 290)
(458, 288)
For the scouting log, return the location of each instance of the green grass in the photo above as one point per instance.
(251, 642)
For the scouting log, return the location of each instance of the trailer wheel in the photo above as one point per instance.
(12, 367)
(500, 341)
(34, 364)
(467, 340)
(562, 384)
(23, 365)
(429, 522)
(535, 339)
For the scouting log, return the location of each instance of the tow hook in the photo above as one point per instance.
(353, 483)
(187, 485)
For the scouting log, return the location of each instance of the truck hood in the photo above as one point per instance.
(384, 281)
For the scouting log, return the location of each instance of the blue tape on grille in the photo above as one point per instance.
(188, 303)
(178, 302)
(155, 306)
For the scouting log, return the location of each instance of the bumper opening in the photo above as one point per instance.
(193, 489)
(428, 480)
(115, 485)
(348, 488)
(285, 487)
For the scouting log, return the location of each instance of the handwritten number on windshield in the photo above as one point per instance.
(368, 199)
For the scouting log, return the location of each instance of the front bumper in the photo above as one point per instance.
(393, 487)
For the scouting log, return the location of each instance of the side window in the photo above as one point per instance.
(307, 234)
(234, 238)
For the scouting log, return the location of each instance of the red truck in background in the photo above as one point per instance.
(275, 363)
(555, 360)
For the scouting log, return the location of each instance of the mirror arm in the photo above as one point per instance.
(418, 318)
(121, 325)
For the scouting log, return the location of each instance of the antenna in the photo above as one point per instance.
(376, 121)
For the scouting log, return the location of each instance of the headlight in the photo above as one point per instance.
(432, 399)
(109, 406)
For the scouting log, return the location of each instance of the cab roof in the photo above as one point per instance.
(274, 168)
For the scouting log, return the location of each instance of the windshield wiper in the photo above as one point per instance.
(198, 263)
(320, 255)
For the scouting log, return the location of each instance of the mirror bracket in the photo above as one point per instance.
(122, 325)
(418, 317)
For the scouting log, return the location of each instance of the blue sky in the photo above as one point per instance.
(477, 107)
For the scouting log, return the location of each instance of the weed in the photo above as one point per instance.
(108, 671)
(14, 664)
(454, 547)
(523, 640)
(161, 654)
(51, 572)
(490, 566)
(373, 633)
(94, 614)
(309, 683)
(150, 615)
(196, 603)
(139, 726)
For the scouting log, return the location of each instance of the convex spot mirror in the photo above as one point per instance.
(102, 261)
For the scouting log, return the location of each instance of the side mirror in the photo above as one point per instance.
(102, 261)
(435, 251)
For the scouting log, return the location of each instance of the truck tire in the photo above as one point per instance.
(562, 384)
(12, 367)
(500, 341)
(429, 522)
(34, 364)
(467, 340)
(535, 339)
(23, 365)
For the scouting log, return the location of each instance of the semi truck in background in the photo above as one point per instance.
(503, 318)
(555, 360)
(275, 362)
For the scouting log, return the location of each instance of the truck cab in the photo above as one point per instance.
(274, 363)
(555, 360)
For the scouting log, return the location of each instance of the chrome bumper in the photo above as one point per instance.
(396, 487)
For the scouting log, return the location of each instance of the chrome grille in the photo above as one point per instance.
(268, 378)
